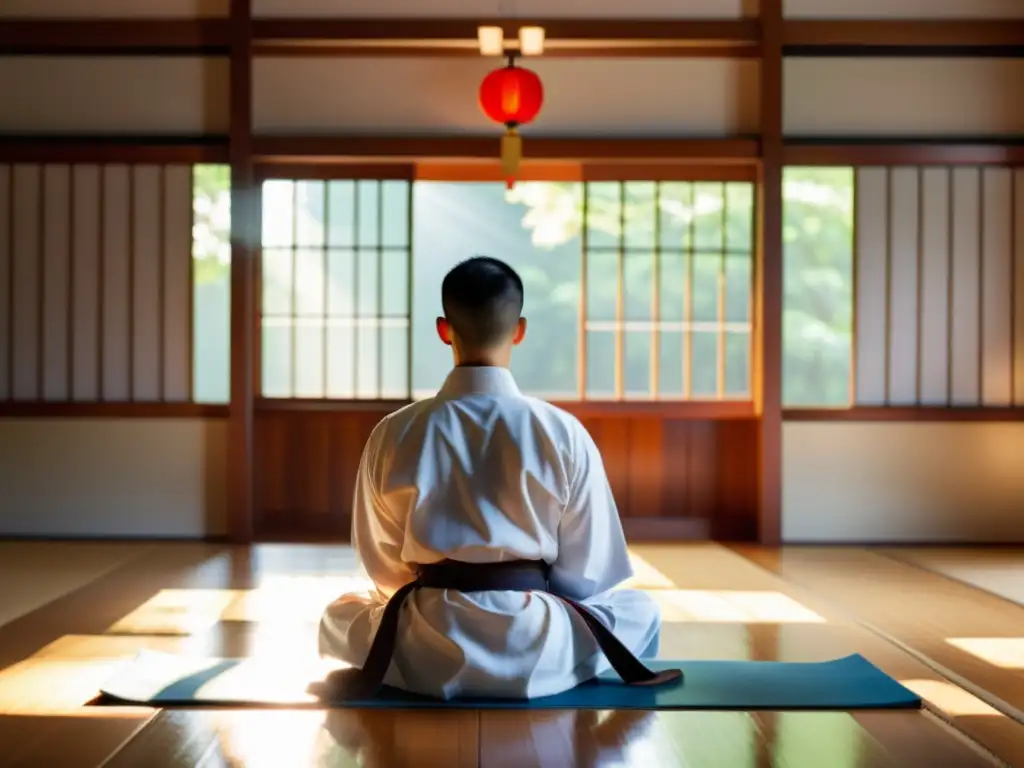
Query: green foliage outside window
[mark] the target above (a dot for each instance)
(818, 282)
(539, 228)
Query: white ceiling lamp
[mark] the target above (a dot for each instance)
(531, 41)
(491, 41)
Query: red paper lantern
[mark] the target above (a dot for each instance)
(511, 96)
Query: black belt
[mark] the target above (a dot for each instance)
(514, 576)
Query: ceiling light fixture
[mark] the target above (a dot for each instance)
(531, 41)
(491, 40)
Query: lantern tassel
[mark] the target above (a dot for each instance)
(511, 154)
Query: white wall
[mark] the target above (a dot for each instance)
(903, 96)
(114, 94)
(902, 9)
(903, 482)
(112, 478)
(438, 96)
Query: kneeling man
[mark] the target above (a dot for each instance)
(486, 522)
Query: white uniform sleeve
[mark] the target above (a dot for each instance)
(376, 535)
(592, 554)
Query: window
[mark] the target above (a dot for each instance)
(211, 283)
(633, 289)
(114, 283)
(938, 286)
(668, 290)
(335, 289)
(818, 284)
(536, 231)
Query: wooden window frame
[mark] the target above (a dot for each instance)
(299, 172)
(460, 170)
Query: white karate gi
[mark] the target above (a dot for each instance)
(482, 473)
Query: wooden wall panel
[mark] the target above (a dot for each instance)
(938, 291)
(96, 283)
(661, 471)
(305, 465)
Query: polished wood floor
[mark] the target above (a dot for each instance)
(72, 612)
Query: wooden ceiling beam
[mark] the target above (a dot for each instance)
(707, 32)
(595, 49)
(115, 36)
(446, 37)
(946, 37)
(300, 149)
(113, 149)
(909, 151)
(614, 157)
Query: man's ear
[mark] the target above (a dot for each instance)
(444, 330)
(520, 331)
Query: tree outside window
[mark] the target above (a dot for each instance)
(339, 319)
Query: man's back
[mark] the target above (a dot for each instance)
(483, 474)
(480, 473)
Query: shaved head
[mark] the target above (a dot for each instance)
(483, 301)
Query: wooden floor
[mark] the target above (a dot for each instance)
(73, 612)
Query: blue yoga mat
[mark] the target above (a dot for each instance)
(848, 683)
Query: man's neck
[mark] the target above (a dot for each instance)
(480, 364)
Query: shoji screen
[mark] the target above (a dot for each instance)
(939, 306)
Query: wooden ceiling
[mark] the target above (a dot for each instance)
(586, 38)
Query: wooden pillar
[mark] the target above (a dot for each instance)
(244, 249)
(769, 279)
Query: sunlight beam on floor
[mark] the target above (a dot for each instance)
(645, 575)
(733, 607)
(279, 599)
(951, 699)
(1004, 652)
